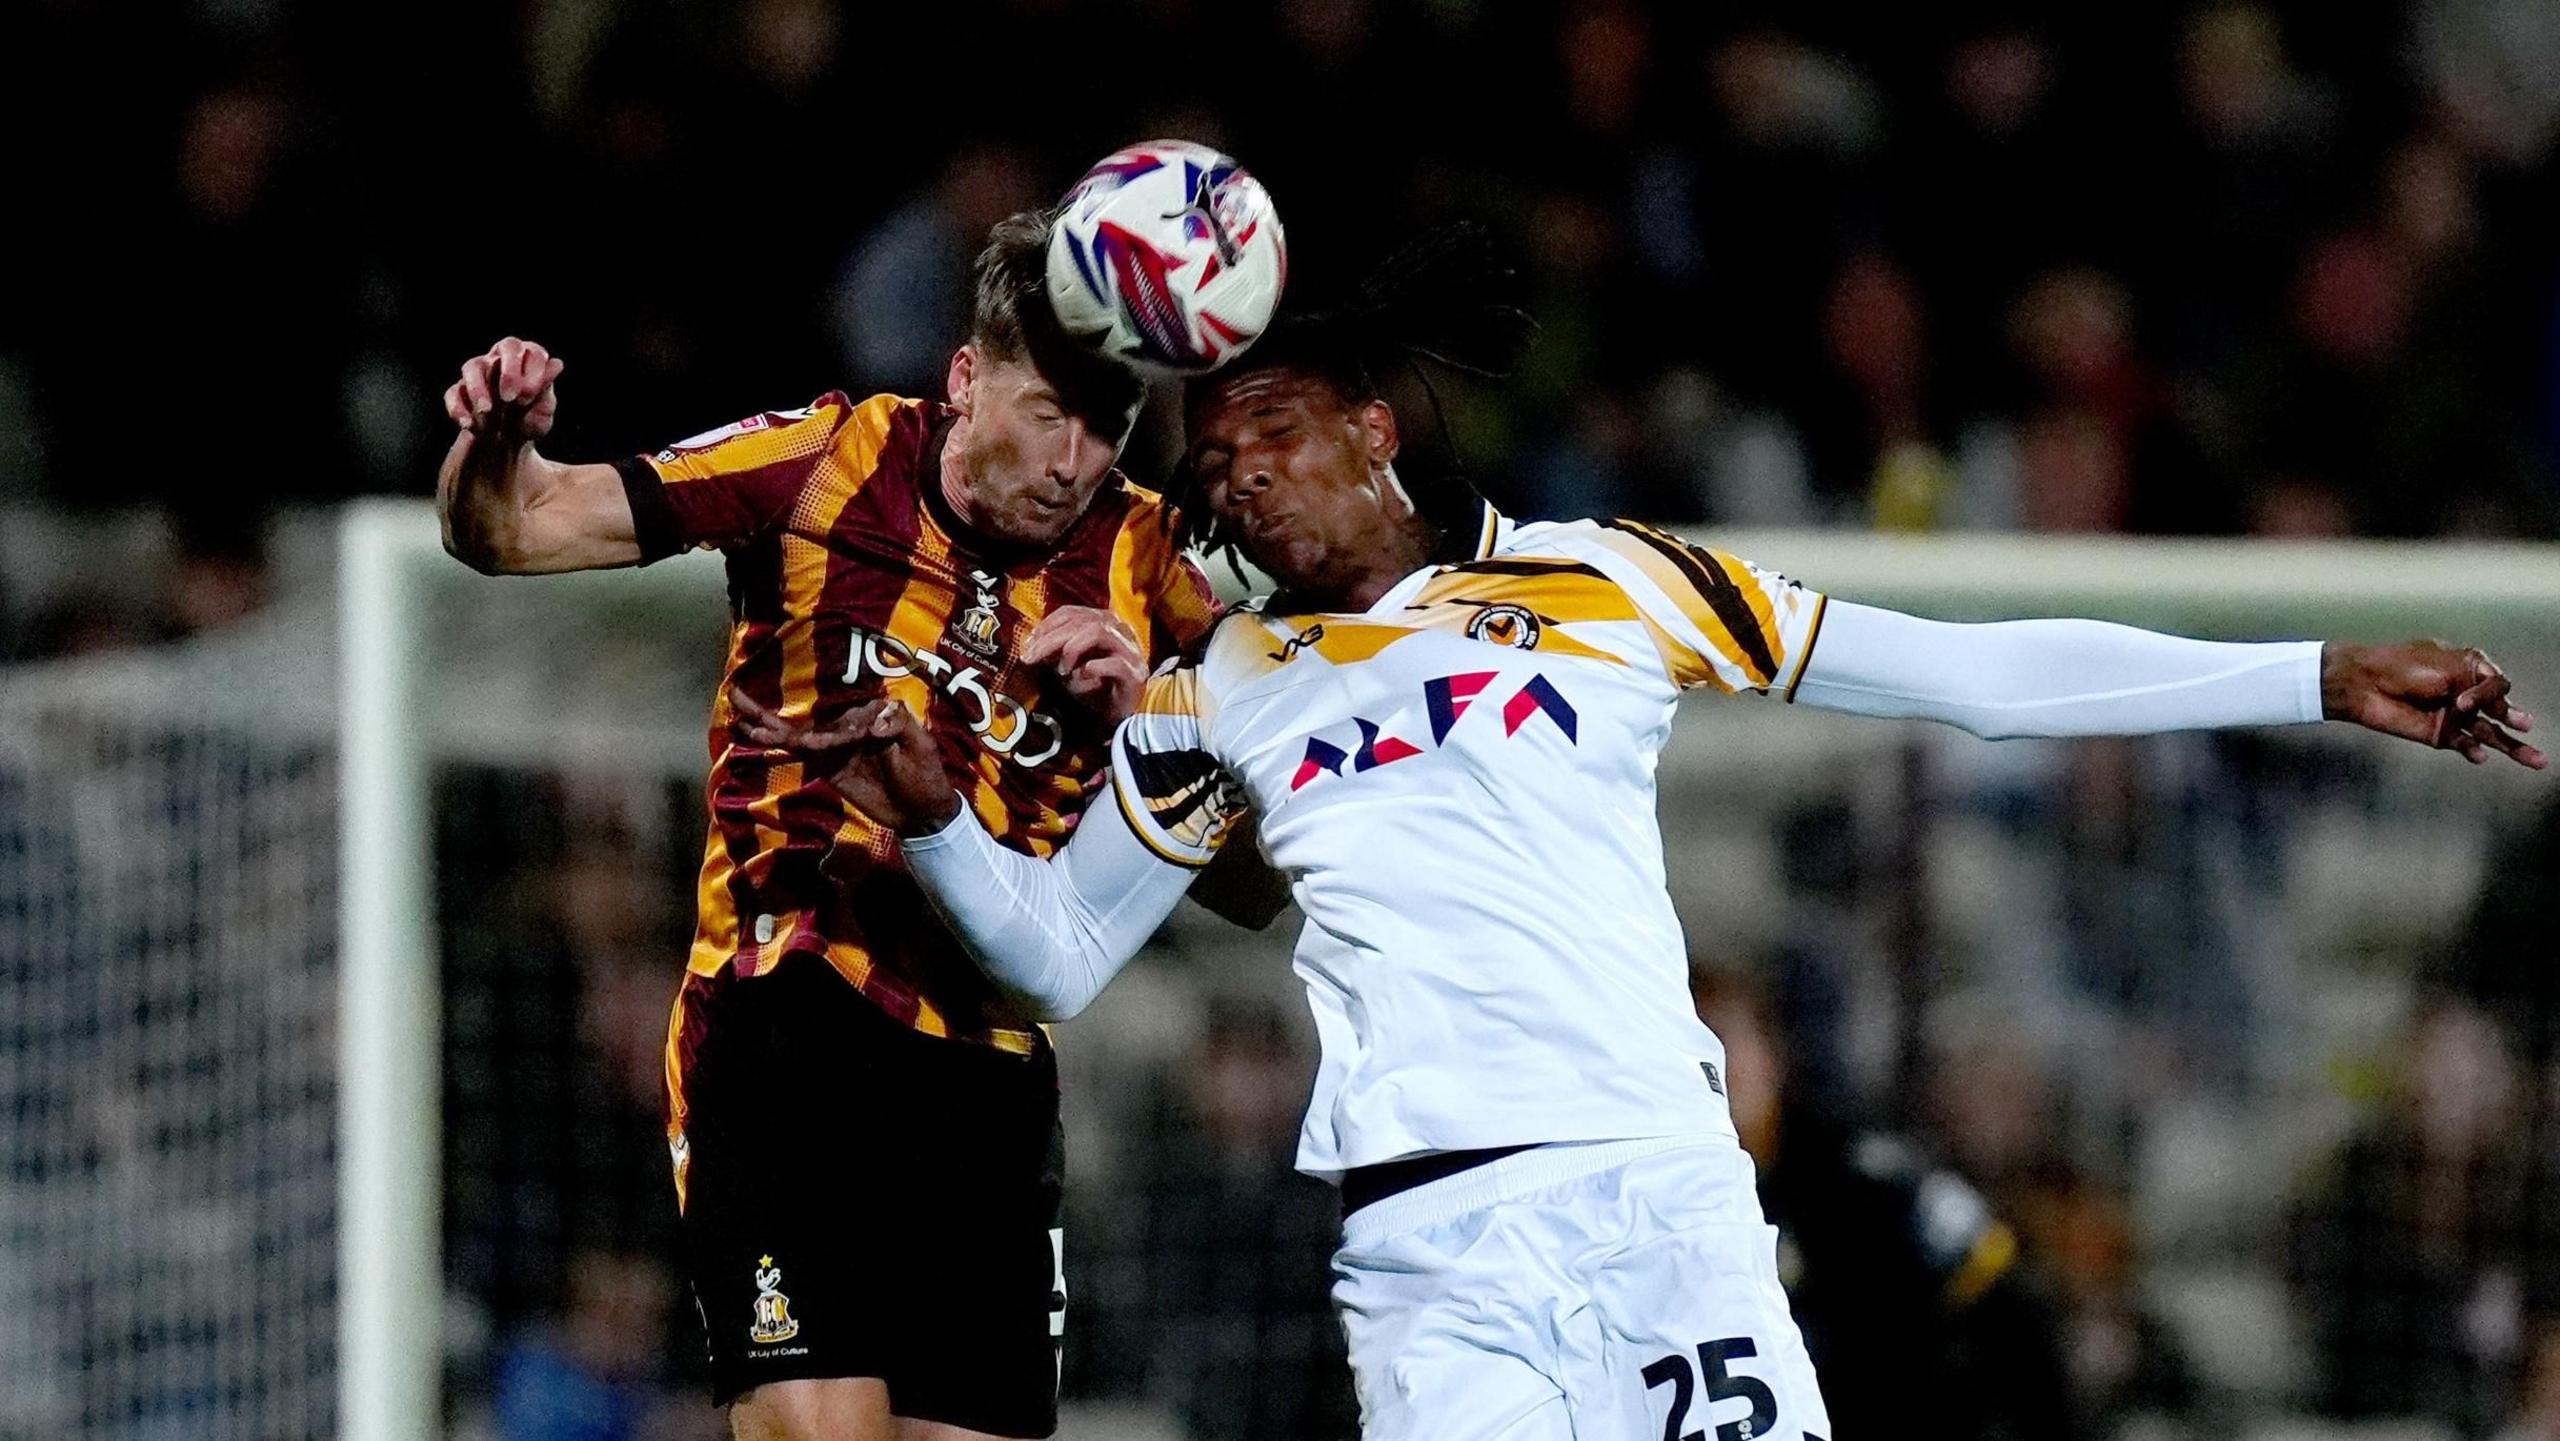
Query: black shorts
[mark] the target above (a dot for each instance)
(862, 1199)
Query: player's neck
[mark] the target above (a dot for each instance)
(1399, 554)
(1365, 591)
(954, 481)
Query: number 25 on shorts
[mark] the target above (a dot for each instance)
(1722, 1385)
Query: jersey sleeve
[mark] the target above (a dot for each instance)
(1717, 619)
(1051, 934)
(729, 485)
(1184, 609)
(2056, 677)
(1157, 588)
(1174, 793)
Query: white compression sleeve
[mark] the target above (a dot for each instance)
(1051, 934)
(2053, 677)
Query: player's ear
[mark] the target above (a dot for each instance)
(962, 380)
(1378, 428)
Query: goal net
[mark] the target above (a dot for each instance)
(334, 958)
(168, 916)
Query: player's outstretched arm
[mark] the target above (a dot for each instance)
(506, 508)
(1051, 934)
(2082, 677)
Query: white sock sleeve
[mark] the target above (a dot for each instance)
(2054, 677)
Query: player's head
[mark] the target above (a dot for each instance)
(1293, 447)
(1040, 419)
(1294, 465)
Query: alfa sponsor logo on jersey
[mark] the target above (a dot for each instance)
(1512, 625)
(1002, 724)
(774, 1323)
(1445, 699)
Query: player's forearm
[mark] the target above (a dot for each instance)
(2054, 677)
(483, 491)
(1051, 934)
(509, 510)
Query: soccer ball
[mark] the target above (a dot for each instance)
(1166, 256)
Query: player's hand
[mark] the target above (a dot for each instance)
(512, 391)
(2453, 700)
(877, 754)
(1095, 653)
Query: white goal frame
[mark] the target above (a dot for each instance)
(392, 564)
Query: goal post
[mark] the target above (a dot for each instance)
(390, 1292)
(397, 594)
(398, 591)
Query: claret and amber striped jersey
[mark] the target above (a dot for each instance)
(849, 575)
(1460, 783)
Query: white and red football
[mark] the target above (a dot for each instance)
(1167, 256)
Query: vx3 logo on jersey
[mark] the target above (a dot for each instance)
(1301, 641)
(1446, 698)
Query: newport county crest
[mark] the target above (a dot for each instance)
(1513, 625)
(977, 628)
(774, 1321)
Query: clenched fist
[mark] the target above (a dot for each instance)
(512, 391)
(1095, 654)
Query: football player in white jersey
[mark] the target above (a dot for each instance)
(1447, 724)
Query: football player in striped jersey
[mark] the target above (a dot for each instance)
(864, 1130)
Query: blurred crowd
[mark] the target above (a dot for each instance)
(2282, 268)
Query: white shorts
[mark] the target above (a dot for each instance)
(1613, 1291)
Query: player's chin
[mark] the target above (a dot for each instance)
(1292, 560)
(1034, 524)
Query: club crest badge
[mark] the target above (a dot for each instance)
(1511, 625)
(774, 1322)
(977, 627)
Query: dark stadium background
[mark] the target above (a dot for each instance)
(2266, 269)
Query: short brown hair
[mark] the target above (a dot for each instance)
(1012, 321)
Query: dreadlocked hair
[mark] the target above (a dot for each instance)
(1446, 298)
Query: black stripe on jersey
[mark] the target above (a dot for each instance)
(1186, 794)
(1716, 588)
(1509, 566)
(1812, 637)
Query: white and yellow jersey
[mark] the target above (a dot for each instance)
(1459, 782)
